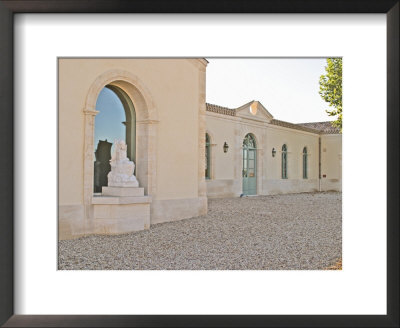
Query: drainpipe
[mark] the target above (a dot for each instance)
(319, 163)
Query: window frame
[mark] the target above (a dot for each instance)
(284, 162)
(305, 162)
(207, 171)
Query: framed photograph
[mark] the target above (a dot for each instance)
(144, 185)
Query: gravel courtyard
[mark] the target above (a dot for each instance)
(280, 232)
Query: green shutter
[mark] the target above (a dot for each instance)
(305, 163)
(208, 159)
(284, 162)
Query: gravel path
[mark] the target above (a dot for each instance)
(290, 232)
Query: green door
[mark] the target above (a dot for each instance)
(249, 165)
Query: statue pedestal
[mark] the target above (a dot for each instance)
(120, 214)
(122, 206)
(122, 191)
(121, 210)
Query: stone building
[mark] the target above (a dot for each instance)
(184, 149)
(268, 156)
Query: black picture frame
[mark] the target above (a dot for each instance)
(7, 11)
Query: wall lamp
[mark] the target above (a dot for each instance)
(273, 152)
(226, 147)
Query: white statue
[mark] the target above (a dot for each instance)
(121, 174)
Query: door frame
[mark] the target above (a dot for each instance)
(246, 148)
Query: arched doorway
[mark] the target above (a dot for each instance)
(249, 172)
(116, 120)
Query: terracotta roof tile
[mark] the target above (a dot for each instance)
(293, 126)
(220, 109)
(323, 127)
(313, 127)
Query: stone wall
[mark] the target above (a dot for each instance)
(226, 168)
(169, 100)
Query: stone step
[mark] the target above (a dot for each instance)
(109, 200)
(122, 191)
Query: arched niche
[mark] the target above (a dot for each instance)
(134, 91)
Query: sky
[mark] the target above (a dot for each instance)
(287, 88)
(108, 123)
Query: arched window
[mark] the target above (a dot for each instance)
(249, 141)
(249, 156)
(208, 158)
(305, 163)
(115, 120)
(284, 162)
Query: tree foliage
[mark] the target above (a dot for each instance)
(330, 89)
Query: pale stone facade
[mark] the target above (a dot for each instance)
(172, 119)
(169, 100)
(232, 125)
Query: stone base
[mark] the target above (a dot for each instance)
(167, 210)
(117, 219)
(117, 215)
(109, 215)
(122, 191)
